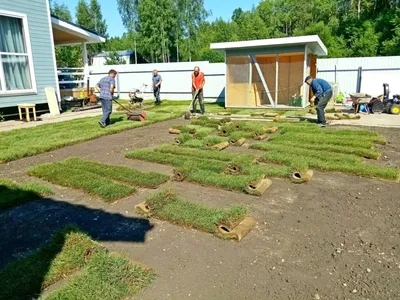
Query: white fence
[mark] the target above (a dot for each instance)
(374, 71)
(177, 76)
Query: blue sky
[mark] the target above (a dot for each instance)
(219, 8)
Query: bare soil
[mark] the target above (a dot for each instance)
(337, 237)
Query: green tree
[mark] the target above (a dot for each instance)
(66, 56)
(90, 17)
(128, 10)
(190, 15)
(113, 58)
(156, 23)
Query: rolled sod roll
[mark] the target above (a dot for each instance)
(220, 146)
(143, 208)
(301, 177)
(259, 187)
(239, 231)
(174, 131)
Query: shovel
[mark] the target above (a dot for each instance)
(187, 112)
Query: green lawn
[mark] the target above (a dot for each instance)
(20, 143)
(108, 182)
(103, 275)
(13, 194)
(294, 147)
(166, 205)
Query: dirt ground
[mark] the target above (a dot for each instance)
(337, 237)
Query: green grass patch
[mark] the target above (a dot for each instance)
(166, 205)
(177, 160)
(103, 275)
(20, 143)
(13, 194)
(333, 149)
(92, 183)
(324, 164)
(204, 154)
(329, 156)
(219, 180)
(108, 276)
(322, 139)
(68, 252)
(213, 140)
(118, 173)
(194, 144)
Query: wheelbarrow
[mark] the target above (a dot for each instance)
(360, 99)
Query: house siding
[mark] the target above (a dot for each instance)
(42, 50)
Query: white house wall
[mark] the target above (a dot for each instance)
(177, 76)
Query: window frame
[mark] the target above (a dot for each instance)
(28, 54)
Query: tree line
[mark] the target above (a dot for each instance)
(178, 30)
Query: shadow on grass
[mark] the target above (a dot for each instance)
(114, 120)
(27, 227)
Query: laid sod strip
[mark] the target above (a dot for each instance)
(205, 122)
(62, 174)
(223, 181)
(213, 140)
(194, 144)
(360, 169)
(166, 205)
(269, 170)
(20, 143)
(177, 160)
(204, 154)
(312, 128)
(321, 139)
(118, 173)
(107, 276)
(13, 194)
(362, 152)
(192, 129)
(183, 138)
(329, 156)
(336, 134)
(202, 133)
(68, 252)
(375, 139)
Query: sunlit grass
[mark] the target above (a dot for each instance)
(166, 205)
(14, 194)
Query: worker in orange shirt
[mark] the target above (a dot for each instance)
(198, 83)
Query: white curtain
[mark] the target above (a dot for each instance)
(16, 67)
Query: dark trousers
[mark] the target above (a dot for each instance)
(156, 91)
(321, 104)
(106, 105)
(199, 97)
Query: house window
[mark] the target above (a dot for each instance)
(16, 72)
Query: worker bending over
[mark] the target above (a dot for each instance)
(322, 94)
(106, 86)
(198, 83)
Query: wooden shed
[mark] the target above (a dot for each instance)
(271, 72)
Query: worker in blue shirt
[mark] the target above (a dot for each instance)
(106, 87)
(322, 94)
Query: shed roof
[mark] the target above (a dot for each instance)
(312, 41)
(68, 33)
